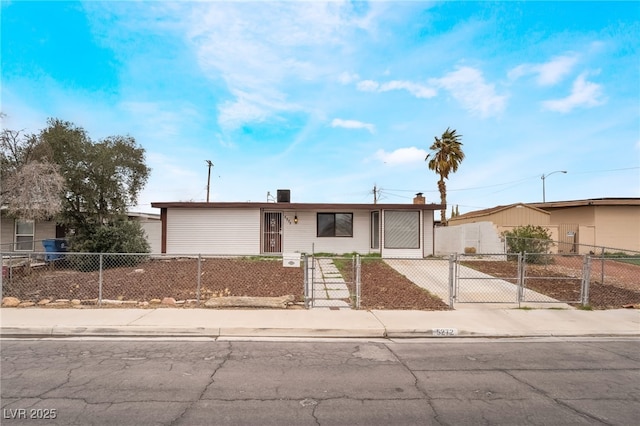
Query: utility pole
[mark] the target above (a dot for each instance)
(375, 194)
(210, 164)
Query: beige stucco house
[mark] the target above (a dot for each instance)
(579, 226)
(590, 225)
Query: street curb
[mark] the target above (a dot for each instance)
(186, 332)
(189, 332)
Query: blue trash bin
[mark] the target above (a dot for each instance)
(54, 248)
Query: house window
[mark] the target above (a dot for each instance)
(402, 229)
(335, 224)
(375, 230)
(25, 230)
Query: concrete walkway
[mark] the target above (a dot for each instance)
(329, 287)
(475, 290)
(315, 323)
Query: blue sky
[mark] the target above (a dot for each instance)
(330, 99)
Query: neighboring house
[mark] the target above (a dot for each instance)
(482, 229)
(579, 226)
(589, 225)
(17, 235)
(152, 226)
(246, 228)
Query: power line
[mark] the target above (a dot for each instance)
(511, 182)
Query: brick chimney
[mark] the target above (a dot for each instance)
(419, 199)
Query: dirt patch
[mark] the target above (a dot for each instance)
(383, 287)
(562, 280)
(157, 279)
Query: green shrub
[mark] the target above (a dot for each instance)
(533, 240)
(115, 237)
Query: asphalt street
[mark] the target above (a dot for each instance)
(314, 382)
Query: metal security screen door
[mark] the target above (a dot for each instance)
(272, 232)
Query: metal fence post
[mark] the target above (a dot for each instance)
(313, 279)
(452, 262)
(521, 276)
(358, 278)
(100, 263)
(199, 279)
(602, 267)
(586, 279)
(305, 280)
(2, 274)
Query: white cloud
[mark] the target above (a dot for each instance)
(417, 90)
(467, 86)
(262, 48)
(352, 124)
(368, 86)
(347, 78)
(548, 73)
(583, 94)
(401, 156)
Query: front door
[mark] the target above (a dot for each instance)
(272, 232)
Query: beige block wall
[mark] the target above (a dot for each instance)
(618, 227)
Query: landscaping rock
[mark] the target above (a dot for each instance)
(111, 302)
(155, 301)
(249, 302)
(169, 301)
(26, 305)
(10, 302)
(75, 302)
(44, 302)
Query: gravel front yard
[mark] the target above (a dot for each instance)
(562, 280)
(382, 286)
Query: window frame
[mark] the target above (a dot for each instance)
(334, 228)
(375, 230)
(418, 230)
(16, 235)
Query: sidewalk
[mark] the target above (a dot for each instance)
(168, 322)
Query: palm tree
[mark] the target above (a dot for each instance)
(447, 156)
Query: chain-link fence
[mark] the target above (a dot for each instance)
(332, 282)
(59, 279)
(600, 283)
(343, 282)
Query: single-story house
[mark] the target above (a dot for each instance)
(579, 226)
(152, 227)
(263, 228)
(481, 230)
(18, 235)
(589, 225)
(23, 236)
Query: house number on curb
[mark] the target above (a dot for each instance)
(445, 332)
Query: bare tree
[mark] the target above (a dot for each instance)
(29, 189)
(33, 191)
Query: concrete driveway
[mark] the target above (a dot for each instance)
(474, 289)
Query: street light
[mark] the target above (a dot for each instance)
(543, 177)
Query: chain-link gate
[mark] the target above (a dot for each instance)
(520, 278)
(332, 282)
(469, 285)
(555, 278)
